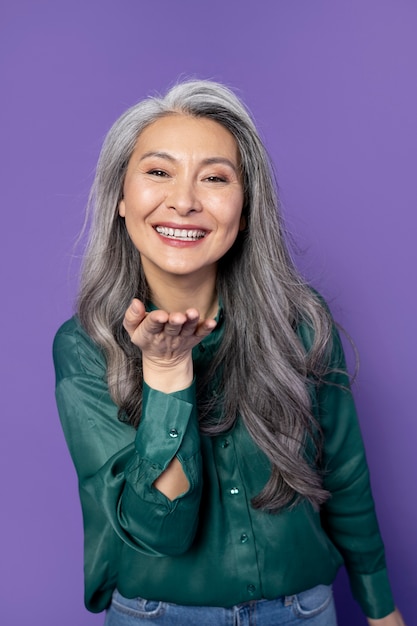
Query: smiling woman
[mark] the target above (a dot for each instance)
(183, 199)
(203, 392)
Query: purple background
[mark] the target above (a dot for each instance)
(333, 88)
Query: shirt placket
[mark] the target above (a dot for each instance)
(237, 512)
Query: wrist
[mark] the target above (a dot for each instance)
(168, 377)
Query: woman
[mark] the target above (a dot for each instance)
(203, 393)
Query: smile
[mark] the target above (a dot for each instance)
(180, 233)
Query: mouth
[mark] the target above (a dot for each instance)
(181, 234)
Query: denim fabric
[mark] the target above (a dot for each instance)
(314, 607)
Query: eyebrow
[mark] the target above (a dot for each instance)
(208, 161)
(161, 155)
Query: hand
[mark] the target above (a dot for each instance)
(393, 619)
(166, 341)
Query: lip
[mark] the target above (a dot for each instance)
(180, 226)
(177, 237)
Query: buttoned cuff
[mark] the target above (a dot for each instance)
(168, 428)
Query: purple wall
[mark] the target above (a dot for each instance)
(333, 88)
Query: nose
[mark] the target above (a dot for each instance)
(183, 197)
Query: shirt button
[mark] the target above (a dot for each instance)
(244, 538)
(251, 589)
(234, 491)
(173, 433)
(224, 443)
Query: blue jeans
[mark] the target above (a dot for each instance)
(314, 607)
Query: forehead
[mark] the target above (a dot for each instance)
(182, 133)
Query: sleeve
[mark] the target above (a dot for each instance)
(116, 465)
(349, 516)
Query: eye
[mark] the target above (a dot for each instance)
(157, 173)
(216, 179)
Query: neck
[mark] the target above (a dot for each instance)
(179, 293)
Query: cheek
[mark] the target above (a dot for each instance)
(148, 197)
(235, 217)
(232, 226)
(140, 199)
(229, 209)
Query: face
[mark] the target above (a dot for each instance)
(183, 197)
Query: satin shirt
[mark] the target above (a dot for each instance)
(210, 546)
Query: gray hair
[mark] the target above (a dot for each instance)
(265, 300)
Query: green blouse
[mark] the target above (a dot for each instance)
(209, 546)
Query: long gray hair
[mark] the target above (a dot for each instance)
(269, 371)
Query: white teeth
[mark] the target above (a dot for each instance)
(180, 233)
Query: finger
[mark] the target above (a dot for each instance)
(134, 316)
(155, 322)
(191, 322)
(175, 324)
(205, 327)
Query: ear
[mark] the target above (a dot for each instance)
(242, 223)
(122, 208)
